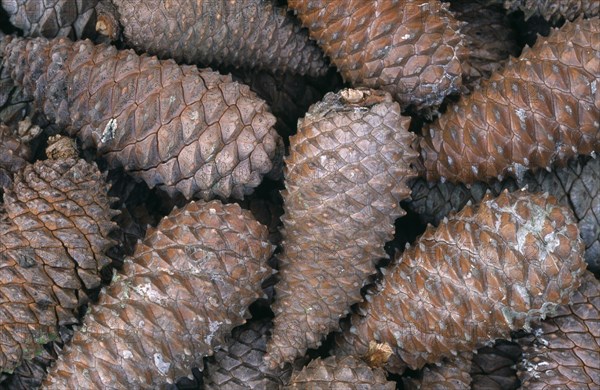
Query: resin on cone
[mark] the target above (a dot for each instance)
(542, 108)
(410, 48)
(189, 283)
(345, 175)
(248, 33)
(487, 270)
(177, 127)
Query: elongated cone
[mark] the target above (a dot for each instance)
(241, 365)
(55, 234)
(346, 173)
(184, 129)
(490, 269)
(554, 10)
(340, 373)
(494, 367)
(410, 48)
(452, 374)
(541, 109)
(564, 353)
(189, 283)
(577, 185)
(53, 18)
(249, 33)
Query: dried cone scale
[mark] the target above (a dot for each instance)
(554, 10)
(565, 351)
(542, 108)
(55, 230)
(451, 374)
(183, 129)
(187, 286)
(339, 373)
(248, 33)
(345, 175)
(410, 48)
(489, 269)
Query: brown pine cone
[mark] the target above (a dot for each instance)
(55, 236)
(554, 10)
(346, 172)
(564, 352)
(14, 102)
(541, 109)
(494, 367)
(53, 18)
(452, 374)
(249, 33)
(14, 152)
(183, 129)
(28, 375)
(577, 185)
(489, 269)
(241, 365)
(187, 286)
(410, 48)
(340, 373)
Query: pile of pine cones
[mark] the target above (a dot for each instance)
(311, 194)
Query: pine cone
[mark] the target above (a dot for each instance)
(554, 10)
(241, 365)
(541, 109)
(410, 48)
(183, 129)
(28, 375)
(346, 173)
(14, 102)
(53, 18)
(452, 374)
(577, 185)
(188, 285)
(493, 367)
(14, 153)
(490, 269)
(565, 350)
(249, 33)
(55, 234)
(340, 373)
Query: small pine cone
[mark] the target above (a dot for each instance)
(410, 48)
(451, 374)
(494, 367)
(53, 18)
(577, 185)
(183, 129)
(345, 175)
(540, 109)
(188, 284)
(490, 269)
(241, 365)
(54, 243)
(555, 10)
(565, 351)
(249, 33)
(488, 37)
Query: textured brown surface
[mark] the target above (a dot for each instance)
(249, 33)
(346, 173)
(410, 48)
(340, 373)
(554, 10)
(564, 353)
(74, 19)
(489, 269)
(494, 367)
(187, 286)
(576, 185)
(542, 108)
(55, 233)
(241, 365)
(14, 153)
(452, 374)
(183, 129)
(15, 104)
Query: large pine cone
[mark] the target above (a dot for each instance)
(184, 129)
(339, 373)
(541, 109)
(554, 10)
(577, 185)
(189, 283)
(564, 353)
(248, 33)
(53, 18)
(346, 172)
(410, 48)
(490, 269)
(55, 234)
